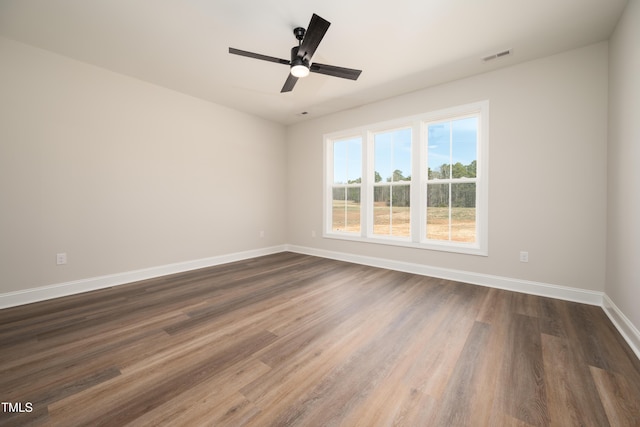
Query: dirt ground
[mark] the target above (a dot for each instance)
(396, 222)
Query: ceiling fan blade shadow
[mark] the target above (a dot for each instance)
(289, 83)
(332, 70)
(313, 36)
(258, 56)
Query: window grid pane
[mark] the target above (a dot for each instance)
(464, 147)
(347, 161)
(345, 212)
(392, 210)
(438, 213)
(463, 212)
(392, 156)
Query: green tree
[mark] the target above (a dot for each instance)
(458, 170)
(397, 176)
(471, 169)
(353, 194)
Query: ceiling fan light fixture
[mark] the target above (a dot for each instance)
(299, 69)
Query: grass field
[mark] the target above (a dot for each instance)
(396, 221)
(346, 216)
(463, 224)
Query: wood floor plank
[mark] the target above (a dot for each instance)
(468, 398)
(132, 403)
(294, 376)
(447, 334)
(522, 382)
(386, 405)
(210, 401)
(113, 347)
(413, 408)
(297, 340)
(550, 319)
(572, 396)
(615, 390)
(346, 386)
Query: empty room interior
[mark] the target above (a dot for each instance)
(413, 213)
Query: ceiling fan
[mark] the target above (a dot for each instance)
(301, 65)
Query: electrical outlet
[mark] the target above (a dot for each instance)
(261, 233)
(524, 256)
(313, 233)
(61, 258)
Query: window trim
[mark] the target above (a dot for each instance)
(419, 174)
(370, 184)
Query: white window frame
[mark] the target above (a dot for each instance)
(330, 185)
(418, 182)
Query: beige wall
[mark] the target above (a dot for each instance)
(547, 191)
(124, 175)
(623, 231)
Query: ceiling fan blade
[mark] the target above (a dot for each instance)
(332, 70)
(313, 36)
(289, 84)
(258, 56)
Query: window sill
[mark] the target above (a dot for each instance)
(461, 248)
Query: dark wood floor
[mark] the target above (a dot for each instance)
(289, 339)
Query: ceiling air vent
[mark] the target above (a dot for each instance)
(497, 55)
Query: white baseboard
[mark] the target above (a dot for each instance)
(28, 296)
(628, 331)
(84, 285)
(620, 321)
(510, 284)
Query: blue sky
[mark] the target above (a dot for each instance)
(347, 160)
(393, 152)
(462, 133)
(393, 149)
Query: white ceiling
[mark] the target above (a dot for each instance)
(401, 45)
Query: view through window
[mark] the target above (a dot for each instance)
(419, 181)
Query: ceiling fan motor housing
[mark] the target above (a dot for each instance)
(299, 33)
(297, 60)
